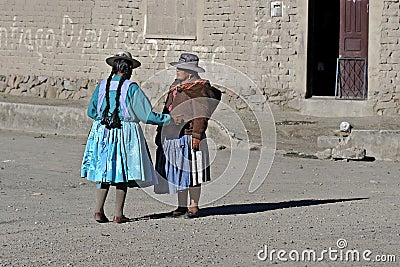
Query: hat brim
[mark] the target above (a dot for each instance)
(135, 63)
(186, 66)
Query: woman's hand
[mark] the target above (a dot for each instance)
(178, 119)
(195, 143)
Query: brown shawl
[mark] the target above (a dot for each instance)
(196, 101)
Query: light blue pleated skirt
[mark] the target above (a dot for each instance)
(118, 156)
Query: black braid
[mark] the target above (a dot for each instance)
(105, 120)
(125, 68)
(116, 121)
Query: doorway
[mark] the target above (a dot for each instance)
(323, 47)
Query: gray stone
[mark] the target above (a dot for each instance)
(248, 91)
(386, 97)
(255, 147)
(52, 81)
(31, 79)
(390, 111)
(23, 87)
(294, 104)
(258, 107)
(240, 104)
(328, 141)
(65, 94)
(42, 79)
(42, 90)
(75, 96)
(84, 83)
(78, 84)
(15, 92)
(272, 105)
(3, 86)
(221, 147)
(51, 92)
(276, 98)
(30, 85)
(91, 88)
(59, 84)
(256, 99)
(69, 85)
(353, 153)
(385, 105)
(82, 93)
(34, 91)
(26, 79)
(18, 81)
(11, 81)
(274, 93)
(325, 154)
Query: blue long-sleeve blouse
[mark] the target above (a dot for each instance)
(139, 106)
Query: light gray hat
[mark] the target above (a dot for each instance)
(123, 55)
(188, 62)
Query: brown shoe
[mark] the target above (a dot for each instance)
(121, 219)
(193, 212)
(100, 217)
(180, 211)
(192, 215)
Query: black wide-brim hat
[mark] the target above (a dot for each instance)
(188, 62)
(123, 55)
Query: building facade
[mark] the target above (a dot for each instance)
(291, 49)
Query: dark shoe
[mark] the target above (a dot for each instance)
(192, 215)
(121, 219)
(180, 211)
(100, 217)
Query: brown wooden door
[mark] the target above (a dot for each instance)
(353, 50)
(353, 40)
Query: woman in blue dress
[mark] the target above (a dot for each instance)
(116, 152)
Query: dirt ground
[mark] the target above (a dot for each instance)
(46, 213)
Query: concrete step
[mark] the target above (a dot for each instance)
(44, 118)
(331, 107)
(380, 144)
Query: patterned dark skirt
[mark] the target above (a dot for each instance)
(179, 167)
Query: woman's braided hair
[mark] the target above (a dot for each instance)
(113, 120)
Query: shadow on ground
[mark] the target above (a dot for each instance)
(236, 209)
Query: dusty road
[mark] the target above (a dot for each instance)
(46, 214)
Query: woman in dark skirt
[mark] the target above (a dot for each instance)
(182, 158)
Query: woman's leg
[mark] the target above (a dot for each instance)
(120, 196)
(101, 197)
(182, 204)
(183, 199)
(194, 193)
